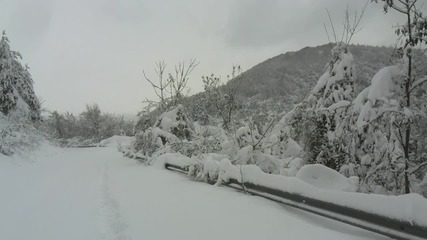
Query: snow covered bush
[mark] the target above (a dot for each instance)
(253, 156)
(207, 167)
(279, 141)
(172, 128)
(177, 123)
(16, 137)
(152, 139)
(247, 135)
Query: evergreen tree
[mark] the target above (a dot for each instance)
(24, 86)
(8, 98)
(16, 85)
(329, 119)
(335, 105)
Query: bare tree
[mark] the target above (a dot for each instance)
(161, 85)
(170, 89)
(178, 81)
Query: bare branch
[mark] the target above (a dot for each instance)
(353, 28)
(161, 86)
(265, 132)
(180, 79)
(418, 167)
(332, 25)
(418, 83)
(326, 31)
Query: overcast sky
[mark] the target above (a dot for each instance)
(94, 51)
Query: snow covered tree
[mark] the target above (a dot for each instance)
(8, 97)
(91, 121)
(334, 93)
(16, 85)
(56, 122)
(223, 98)
(323, 122)
(391, 95)
(24, 86)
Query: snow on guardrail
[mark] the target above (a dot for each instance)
(401, 217)
(411, 208)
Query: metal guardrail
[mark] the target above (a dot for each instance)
(176, 168)
(393, 228)
(83, 146)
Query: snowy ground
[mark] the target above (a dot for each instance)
(98, 194)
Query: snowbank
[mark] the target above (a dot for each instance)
(18, 137)
(410, 208)
(291, 166)
(117, 141)
(325, 178)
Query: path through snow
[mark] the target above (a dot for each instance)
(98, 194)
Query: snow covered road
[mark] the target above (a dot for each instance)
(98, 194)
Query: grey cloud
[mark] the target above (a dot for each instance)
(86, 51)
(30, 20)
(265, 23)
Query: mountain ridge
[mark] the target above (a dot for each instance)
(276, 84)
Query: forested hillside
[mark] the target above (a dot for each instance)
(275, 85)
(291, 75)
(321, 105)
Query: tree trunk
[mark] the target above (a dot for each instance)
(408, 102)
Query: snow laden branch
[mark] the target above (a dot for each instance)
(411, 34)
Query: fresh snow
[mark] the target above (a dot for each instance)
(95, 193)
(340, 104)
(382, 84)
(117, 141)
(323, 80)
(325, 178)
(410, 207)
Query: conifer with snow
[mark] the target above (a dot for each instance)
(8, 95)
(334, 93)
(17, 94)
(323, 123)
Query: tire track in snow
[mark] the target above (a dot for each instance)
(111, 224)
